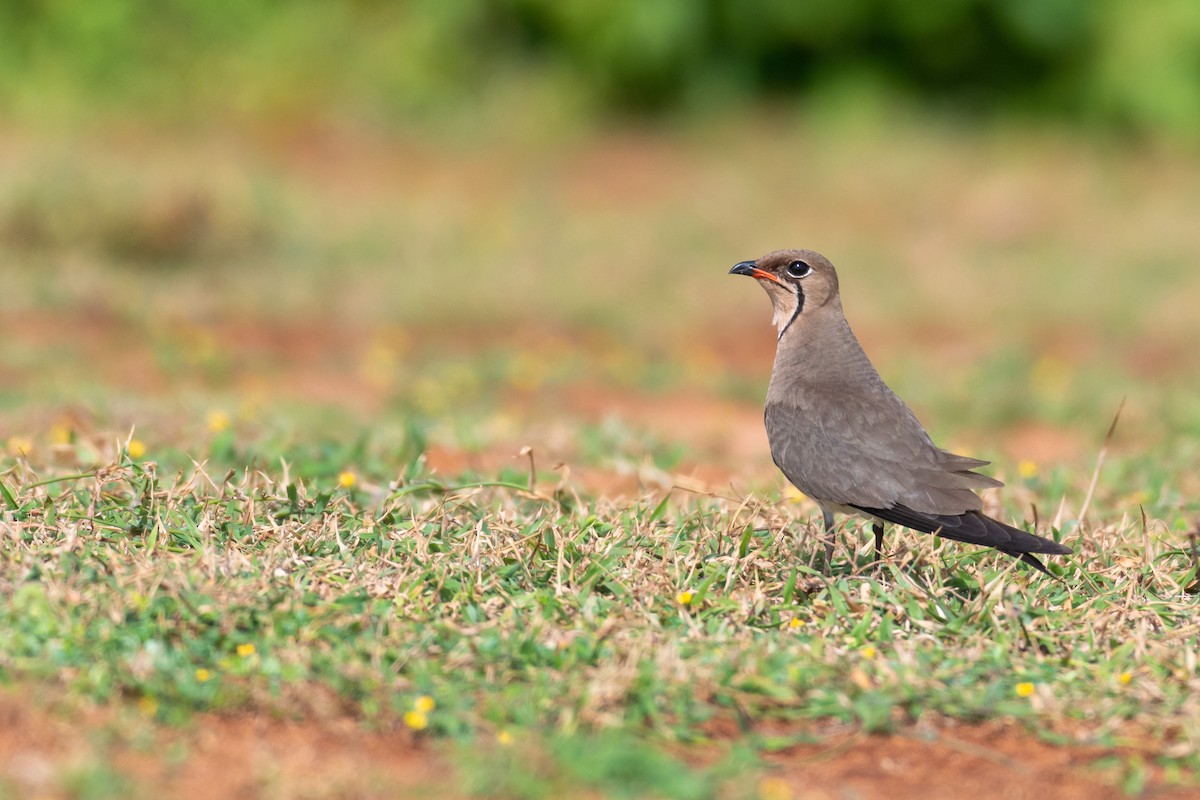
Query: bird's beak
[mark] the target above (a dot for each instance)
(751, 269)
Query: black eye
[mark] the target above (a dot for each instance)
(798, 269)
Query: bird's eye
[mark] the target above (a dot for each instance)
(798, 269)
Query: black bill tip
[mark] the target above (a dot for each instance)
(744, 268)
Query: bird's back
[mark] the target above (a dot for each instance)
(843, 437)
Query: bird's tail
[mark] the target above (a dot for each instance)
(1029, 559)
(975, 528)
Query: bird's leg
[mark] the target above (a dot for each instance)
(877, 529)
(829, 540)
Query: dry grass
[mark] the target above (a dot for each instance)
(320, 512)
(189, 587)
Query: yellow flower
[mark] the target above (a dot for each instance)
(19, 446)
(504, 737)
(794, 495)
(416, 720)
(218, 420)
(867, 652)
(1024, 689)
(245, 650)
(148, 705)
(424, 704)
(796, 623)
(684, 598)
(136, 448)
(1124, 678)
(774, 789)
(61, 433)
(203, 675)
(1027, 469)
(347, 479)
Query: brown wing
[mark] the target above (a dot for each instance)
(867, 449)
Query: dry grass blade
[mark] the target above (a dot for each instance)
(1091, 490)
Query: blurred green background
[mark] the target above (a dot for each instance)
(448, 205)
(1119, 64)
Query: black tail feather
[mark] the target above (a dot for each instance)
(974, 528)
(1031, 560)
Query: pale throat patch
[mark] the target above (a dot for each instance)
(783, 305)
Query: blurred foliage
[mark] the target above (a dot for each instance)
(138, 218)
(1121, 63)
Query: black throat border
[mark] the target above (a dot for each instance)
(796, 313)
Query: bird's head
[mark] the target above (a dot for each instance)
(797, 281)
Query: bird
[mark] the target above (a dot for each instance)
(841, 436)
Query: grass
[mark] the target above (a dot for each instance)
(271, 460)
(267, 575)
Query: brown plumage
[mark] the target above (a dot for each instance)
(842, 437)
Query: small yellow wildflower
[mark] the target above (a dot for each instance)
(147, 705)
(1124, 678)
(218, 420)
(203, 675)
(19, 446)
(416, 720)
(684, 598)
(867, 652)
(424, 704)
(347, 479)
(1027, 469)
(245, 650)
(136, 448)
(1024, 689)
(794, 495)
(61, 433)
(774, 789)
(796, 623)
(504, 738)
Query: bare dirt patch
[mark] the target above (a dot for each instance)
(994, 760)
(44, 750)
(45, 753)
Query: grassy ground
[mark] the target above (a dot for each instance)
(265, 406)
